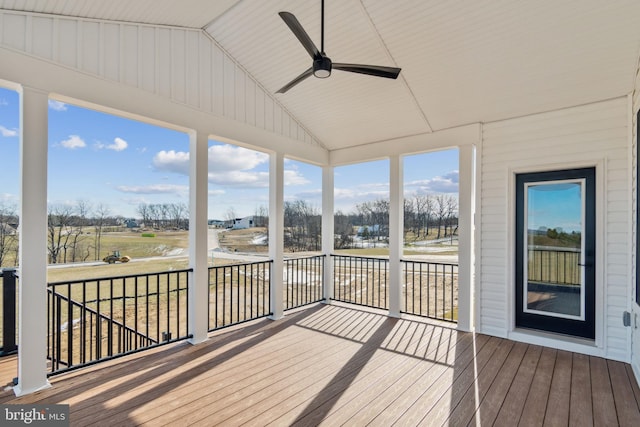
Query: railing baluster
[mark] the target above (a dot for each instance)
(122, 330)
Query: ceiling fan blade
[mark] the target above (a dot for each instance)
(295, 26)
(297, 80)
(372, 70)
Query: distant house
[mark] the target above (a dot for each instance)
(369, 230)
(8, 229)
(242, 223)
(131, 223)
(216, 223)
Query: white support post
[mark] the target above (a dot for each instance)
(466, 214)
(198, 236)
(32, 306)
(396, 226)
(327, 231)
(276, 235)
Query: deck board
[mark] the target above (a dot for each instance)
(333, 365)
(581, 406)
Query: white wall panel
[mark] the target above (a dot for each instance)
(129, 55)
(239, 81)
(147, 58)
(182, 64)
(67, 38)
(192, 68)
(163, 61)
(14, 31)
(88, 40)
(42, 40)
(250, 101)
(110, 49)
(218, 80)
(229, 87)
(575, 136)
(178, 66)
(205, 73)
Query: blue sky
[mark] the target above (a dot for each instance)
(121, 163)
(555, 206)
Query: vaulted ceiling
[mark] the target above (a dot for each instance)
(462, 61)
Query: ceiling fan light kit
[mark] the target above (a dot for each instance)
(322, 64)
(322, 67)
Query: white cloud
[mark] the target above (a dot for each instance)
(8, 133)
(8, 198)
(216, 192)
(228, 166)
(154, 189)
(57, 105)
(119, 144)
(73, 142)
(240, 179)
(448, 183)
(172, 161)
(293, 177)
(229, 158)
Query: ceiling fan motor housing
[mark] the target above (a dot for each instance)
(322, 67)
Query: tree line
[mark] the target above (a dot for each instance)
(425, 217)
(75, 231)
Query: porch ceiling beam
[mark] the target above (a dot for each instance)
(454, 137)
(115, 98)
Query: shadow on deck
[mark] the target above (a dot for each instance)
(334, 365)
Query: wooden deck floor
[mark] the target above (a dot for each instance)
(332, 365)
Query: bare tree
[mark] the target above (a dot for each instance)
(145, 214)
(179, 214)
(76, 232)
(59, 219)
(343, 231)
(99, 221)
(8, 234)
(451, 218)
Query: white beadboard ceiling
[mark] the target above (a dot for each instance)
(462, 61)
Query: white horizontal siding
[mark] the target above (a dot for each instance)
(635, 359)
(182, 64)
(581, 135)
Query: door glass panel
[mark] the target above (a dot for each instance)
(554, 228)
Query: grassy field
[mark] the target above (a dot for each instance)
(137, 246)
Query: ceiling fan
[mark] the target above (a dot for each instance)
(322, 65)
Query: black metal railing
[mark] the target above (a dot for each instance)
(361, 280)
(238, 293)
(8, 330)
(303, 281)
(554, 265)
(98, 319)
(430, 290)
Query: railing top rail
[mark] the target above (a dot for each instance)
(553, 248)
(415, 261)
(380, 258)
(269, 261)
(131, 276)
(294, 258)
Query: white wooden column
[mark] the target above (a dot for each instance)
(198, 236)
(466, 214)
(276, 236)
(327, 230)
(396, 225)
(32, 308)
